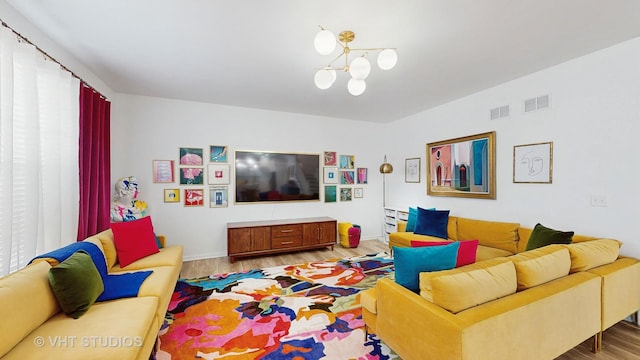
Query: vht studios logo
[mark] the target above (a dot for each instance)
(88, 341)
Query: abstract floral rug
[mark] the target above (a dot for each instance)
(305, 311)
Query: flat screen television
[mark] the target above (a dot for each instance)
(273, 176)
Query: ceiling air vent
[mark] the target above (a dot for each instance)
(536, 103)
(499, 112)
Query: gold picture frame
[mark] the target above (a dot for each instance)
(171, 195)
(463, 167)
(533, 163)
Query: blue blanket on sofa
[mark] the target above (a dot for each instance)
(116, 286)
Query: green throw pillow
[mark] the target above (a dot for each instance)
(543, 236)
(76, 283)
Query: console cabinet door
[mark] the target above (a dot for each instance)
(319, 233)
(260, 238)
(244, 240)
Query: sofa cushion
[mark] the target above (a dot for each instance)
(536, 267)
(109, 247)
(168, 256)
(432, 222)
(487, 253)
(27, 301)
(543, 236)
(76, 283)
(466, 252)
(410, 262)
(118, 329)
(590, 254)
(462, 288)
(500, 235)
(160, 284)
(134, 240)
(368, 300)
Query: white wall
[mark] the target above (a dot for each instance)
(594, 124)
(146, 129)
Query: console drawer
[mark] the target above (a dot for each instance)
(286, 231)
(283, 242)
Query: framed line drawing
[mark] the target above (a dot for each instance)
(171, 195)
(193, 197)
(330, 175)
(191, 176)
(218, 174)
(533, 163)
(190, 156)
(218, 154)
(358, 193)
(163, 171)
(463, 167)
(218, 196)
(412, 170)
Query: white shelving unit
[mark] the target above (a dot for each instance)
(391, 216)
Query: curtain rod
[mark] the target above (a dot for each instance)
(24, 38)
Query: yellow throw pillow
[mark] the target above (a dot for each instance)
(462, 288)
(590, 254)
(538, 266)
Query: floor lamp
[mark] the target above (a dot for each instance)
(385, 169)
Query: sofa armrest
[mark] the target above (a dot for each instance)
(402, 226)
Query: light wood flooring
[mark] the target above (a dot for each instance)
(620, 342)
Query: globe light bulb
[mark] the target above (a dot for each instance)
(387, 59)
(360, 68)
(324, 42)
(324, 78)
(356, 87)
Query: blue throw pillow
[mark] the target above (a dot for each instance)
(411, 219)
(410, 262)
(432, 223)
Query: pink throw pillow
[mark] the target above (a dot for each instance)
(134, 240)
(466, 251)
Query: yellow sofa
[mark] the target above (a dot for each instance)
(34, 327)
(510, 304)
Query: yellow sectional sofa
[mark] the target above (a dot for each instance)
(34, 327)
(510, 304)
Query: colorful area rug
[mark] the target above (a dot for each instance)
(306, 311)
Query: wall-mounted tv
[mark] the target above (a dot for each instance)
(273, 176)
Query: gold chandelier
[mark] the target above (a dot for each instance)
(359, 68)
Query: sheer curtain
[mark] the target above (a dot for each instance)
(39, 183)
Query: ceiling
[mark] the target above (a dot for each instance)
(260, 54)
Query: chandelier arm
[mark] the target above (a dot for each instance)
(336, 59)
(372, 49)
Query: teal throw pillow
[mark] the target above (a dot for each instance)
(432, 222)
(543, 236)
(411, 219)
(76, 283)
(410, 262)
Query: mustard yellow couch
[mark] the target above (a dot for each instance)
(511, 304)
(34, 327)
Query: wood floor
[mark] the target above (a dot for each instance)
(620, 342)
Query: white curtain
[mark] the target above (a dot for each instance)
(39, 129)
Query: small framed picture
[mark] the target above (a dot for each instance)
(163, 171)
(331, 175)
(218, 174)
(346, 177)
(330, 195)
(330, 158)
(362, 175)
(218, 154)
(347, 161)
(218, 196)
(191, 176)
(412, 170)
(346, 194)
(358, 193)
(533, 163)
(193, 197)
(190, 156)
(171, 195)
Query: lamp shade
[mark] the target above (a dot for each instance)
(324, 42)
(386, 168)
(387, 59)
(324, 78)
(356, 87)
(360, 68)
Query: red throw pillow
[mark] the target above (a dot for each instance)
(466, 251)
(134, 240)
